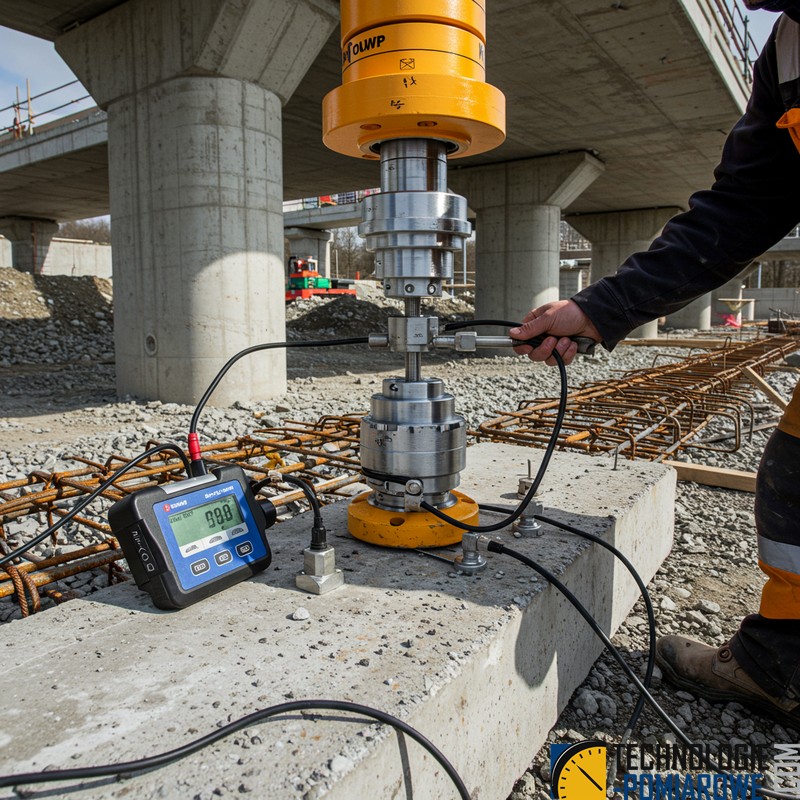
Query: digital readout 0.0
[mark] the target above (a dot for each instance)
(201, 521)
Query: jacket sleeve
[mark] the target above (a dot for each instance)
(753, 203)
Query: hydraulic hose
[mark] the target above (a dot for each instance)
(646, 599)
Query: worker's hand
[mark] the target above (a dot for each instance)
(562, 320)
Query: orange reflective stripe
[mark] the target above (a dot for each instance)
(791, 121)
(790, 421)
(780, 597)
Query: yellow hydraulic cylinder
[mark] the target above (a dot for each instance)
(413, 69)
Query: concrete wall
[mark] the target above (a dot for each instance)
(69, 257)
(785, 298)
(570, 281)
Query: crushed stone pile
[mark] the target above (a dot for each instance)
(54, 319)
(347, 316)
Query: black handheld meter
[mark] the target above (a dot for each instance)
(186, 541)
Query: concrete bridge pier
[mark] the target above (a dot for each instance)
(311, 242)
(518, 206)
(696, 315)
(196, 186)
(30, 241)
(615, 236)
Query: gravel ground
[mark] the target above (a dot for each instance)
(57, 399)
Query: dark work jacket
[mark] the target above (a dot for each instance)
(753, 203)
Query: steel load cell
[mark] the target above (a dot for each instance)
(413, 94)
(414, 225)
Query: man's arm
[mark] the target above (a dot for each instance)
(754, 202)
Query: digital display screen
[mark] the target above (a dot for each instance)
(205, 520)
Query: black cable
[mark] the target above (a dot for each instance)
(497, 323)
(94, 495)
(534, 487)
(648, 602)
(479, 323)
(319, 540)
(498, 547)
(255, 349)
(152, 762)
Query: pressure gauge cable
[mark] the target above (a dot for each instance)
(169, 447)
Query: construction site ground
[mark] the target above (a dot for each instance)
(57, 399)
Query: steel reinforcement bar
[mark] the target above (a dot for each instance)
(649, 414)
(324, 453)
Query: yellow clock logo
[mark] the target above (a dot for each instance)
(578, 772)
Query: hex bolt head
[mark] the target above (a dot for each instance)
(414, 488)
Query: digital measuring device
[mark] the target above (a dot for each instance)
(186, 541)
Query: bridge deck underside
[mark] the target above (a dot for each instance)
(634, 83)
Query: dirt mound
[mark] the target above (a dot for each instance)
(62, 298)
(347, 316)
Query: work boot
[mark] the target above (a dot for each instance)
(713, 673)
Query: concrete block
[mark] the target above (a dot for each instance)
(482, 665)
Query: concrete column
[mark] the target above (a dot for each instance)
(732, 290)
(615, 236)
(696, 315)
(195, 161)
(30, 241)
(570, 282)
(517, 238)
(311, 242)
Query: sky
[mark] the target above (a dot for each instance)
(26, 57)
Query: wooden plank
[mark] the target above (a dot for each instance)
(700, 344)
(715, 476)
(760, 383)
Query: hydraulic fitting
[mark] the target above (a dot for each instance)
(411, 334)
(470, 562)
(319, 575)
(526, 524)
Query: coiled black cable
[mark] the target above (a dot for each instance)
(162, 759)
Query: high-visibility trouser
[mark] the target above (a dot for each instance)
(767, 644)
(778, 519)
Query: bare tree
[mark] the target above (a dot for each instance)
(350, 250)
(95, 230)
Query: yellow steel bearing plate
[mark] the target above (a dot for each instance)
(469, 114)
(408, 529)
(358, 15)
(414, 47)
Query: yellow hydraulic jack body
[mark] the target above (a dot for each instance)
(413, 94)
(413, 69)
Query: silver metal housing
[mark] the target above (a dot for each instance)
(413, 444)
(413, 433)
(414, 226)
